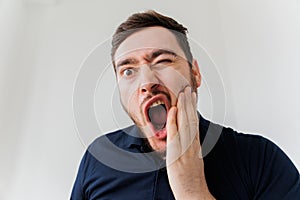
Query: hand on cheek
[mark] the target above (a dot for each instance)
(185, 166)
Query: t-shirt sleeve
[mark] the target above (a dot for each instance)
(78, 191)
(274, 175)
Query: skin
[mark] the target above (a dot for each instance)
(144, 74)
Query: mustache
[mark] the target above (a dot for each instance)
(153, 93)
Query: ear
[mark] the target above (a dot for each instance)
(196, 72)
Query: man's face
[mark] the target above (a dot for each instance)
(151, 71)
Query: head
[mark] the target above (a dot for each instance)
(151, 18)
(153, 64)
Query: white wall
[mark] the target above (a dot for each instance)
(262, 49)
(255, 46)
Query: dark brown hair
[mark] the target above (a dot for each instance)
(148, 19)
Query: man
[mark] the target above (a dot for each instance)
(162, 155)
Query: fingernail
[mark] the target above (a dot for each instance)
(188, 89)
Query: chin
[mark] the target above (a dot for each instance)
(158, 145)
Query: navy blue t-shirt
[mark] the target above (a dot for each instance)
(120, 165)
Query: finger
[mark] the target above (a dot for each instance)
(190, 105)
(173, 143)
(181, 115)
(191, 114)
(171, 124)
(188, 122)
(194, 99)
(182, 121)
(194, 96)
(196, 137)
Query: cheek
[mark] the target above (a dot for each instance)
(128, 93)
(174, 80)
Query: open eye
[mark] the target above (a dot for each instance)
(127, 72)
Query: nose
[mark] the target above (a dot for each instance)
(149, 81)
(148, 88)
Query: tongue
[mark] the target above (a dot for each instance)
(158, 116)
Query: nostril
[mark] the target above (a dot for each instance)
(148, 88)
(154, 86)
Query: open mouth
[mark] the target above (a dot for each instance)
(156, 113)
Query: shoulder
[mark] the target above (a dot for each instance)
(256, 162)
(218, 139)
(228, 139)
(116, 137)
(250, 148)
(108, 141)
(121, 139)
(245, 142)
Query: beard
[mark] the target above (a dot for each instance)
(139, 118)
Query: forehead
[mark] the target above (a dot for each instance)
(148, 38)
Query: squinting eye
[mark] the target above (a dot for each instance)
(164, 61)
(127, 72)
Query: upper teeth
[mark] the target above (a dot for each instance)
(158, 102)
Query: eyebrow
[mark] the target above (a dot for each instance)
(126, 61)
(150, 57)
(159, 52)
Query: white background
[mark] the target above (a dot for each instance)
(254, 44)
